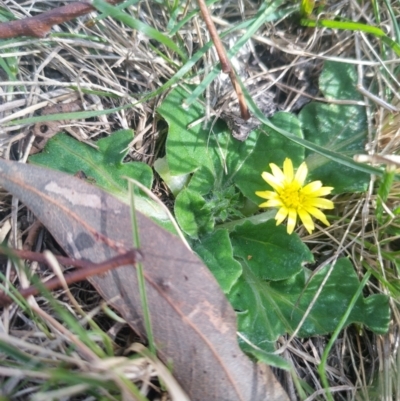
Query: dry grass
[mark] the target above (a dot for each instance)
(110, 65)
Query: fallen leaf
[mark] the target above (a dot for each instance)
(193, 324)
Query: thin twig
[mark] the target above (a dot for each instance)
(87, 269)
(219, 47)
(223, 58)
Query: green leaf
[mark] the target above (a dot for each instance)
(338, 128)
(338, 81)
(186, 149)
(103, 167)
(266, 357)
(269, 250)
(268, 309)
(216, 252)
(226, 156)
(271, 148)
(175, 183)
(192, 214)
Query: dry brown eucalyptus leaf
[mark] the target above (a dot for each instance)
(194, 326)
(40, 25)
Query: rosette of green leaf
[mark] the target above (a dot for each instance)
(332, 134)
(104, 168)
(218, 162)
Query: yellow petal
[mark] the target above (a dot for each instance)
(273, 203)
(312, 187)
(318, 215)
(306, 220)
(321, 203)
(277, 172)
(322, 192)
(281, 215)
(292, 217)
(301, 174)
(272, 180)
(288, 170)
(266, 194)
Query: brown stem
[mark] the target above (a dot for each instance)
(87, 269)
(223, 58)
(32, 235)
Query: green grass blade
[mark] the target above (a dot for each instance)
(14, 353)
(377, 14)
(188, 17)
(354, 26)
(152, 33)
(395, 21)
(140, 275)
(68, 319)
(7, 70)
(189, 65)
(306, 7)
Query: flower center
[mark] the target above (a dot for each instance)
(291, 196)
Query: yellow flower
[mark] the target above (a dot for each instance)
(293, 198)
